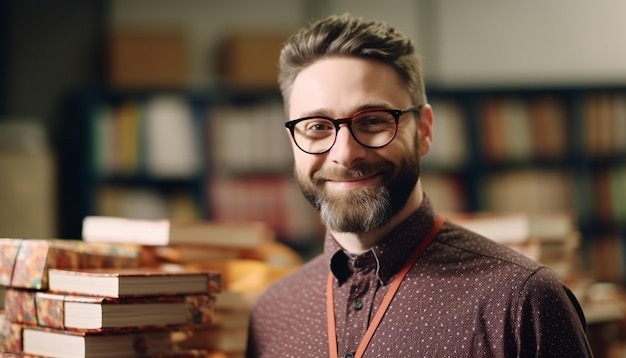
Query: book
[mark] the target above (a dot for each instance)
(516, 228)
(164, 232)
(61, 311)
(133, 282)
(25, 263)
(55, 343)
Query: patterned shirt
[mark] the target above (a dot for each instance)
(466, 296)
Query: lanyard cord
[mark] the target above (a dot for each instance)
(395, 284)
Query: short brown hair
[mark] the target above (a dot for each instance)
(347, 35)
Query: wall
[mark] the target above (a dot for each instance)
(464, 43)
(532, 42)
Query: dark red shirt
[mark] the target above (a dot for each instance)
(466, 296)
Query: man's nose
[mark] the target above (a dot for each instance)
(346, 149)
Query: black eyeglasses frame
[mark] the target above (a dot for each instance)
(396, 113)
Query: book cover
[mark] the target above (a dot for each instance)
(102, 313)
(25, 263)
(134, 282)
(165, 232)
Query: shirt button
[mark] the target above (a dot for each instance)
(349, 355)
(357, 304)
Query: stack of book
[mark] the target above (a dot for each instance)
(73, 301)
(549, 238)
(245, 253)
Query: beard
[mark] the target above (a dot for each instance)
(364, 209)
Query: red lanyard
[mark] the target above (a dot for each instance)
(395, 284)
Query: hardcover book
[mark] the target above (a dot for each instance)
(133, 282)
(101, 313)
(25, 263)
(49, 342)
(166, 232)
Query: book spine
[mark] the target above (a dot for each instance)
(30, 308)
(20, 306)
(8, 254)
(10, 337)
(31, 263)
(50, 311)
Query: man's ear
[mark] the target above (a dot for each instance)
(426, 128)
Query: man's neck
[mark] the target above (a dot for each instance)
(359, 243)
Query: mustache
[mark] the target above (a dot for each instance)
(357, 171)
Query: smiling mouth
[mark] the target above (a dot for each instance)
(353, 179)
(362, 174)
(354, 182)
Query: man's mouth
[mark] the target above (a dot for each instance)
(354, 182)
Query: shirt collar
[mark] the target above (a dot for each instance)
(392, 250)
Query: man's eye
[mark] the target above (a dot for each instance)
(319, 126)
(372, 121)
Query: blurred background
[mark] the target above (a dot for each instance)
(159, 108)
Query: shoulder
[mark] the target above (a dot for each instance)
(459, 244)
(462, 256)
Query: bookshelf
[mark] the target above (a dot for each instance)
(538, 150)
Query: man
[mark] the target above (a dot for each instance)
(394, 280)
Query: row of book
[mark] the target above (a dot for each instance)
(519, 128)
(539, 127)
(159, 136)
(165, 136)
(597, 197)
(131, 287)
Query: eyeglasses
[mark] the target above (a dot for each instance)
(372, 128)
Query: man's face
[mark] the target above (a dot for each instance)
(356, 189)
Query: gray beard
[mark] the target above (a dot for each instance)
(361, 211)
(365, 209)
